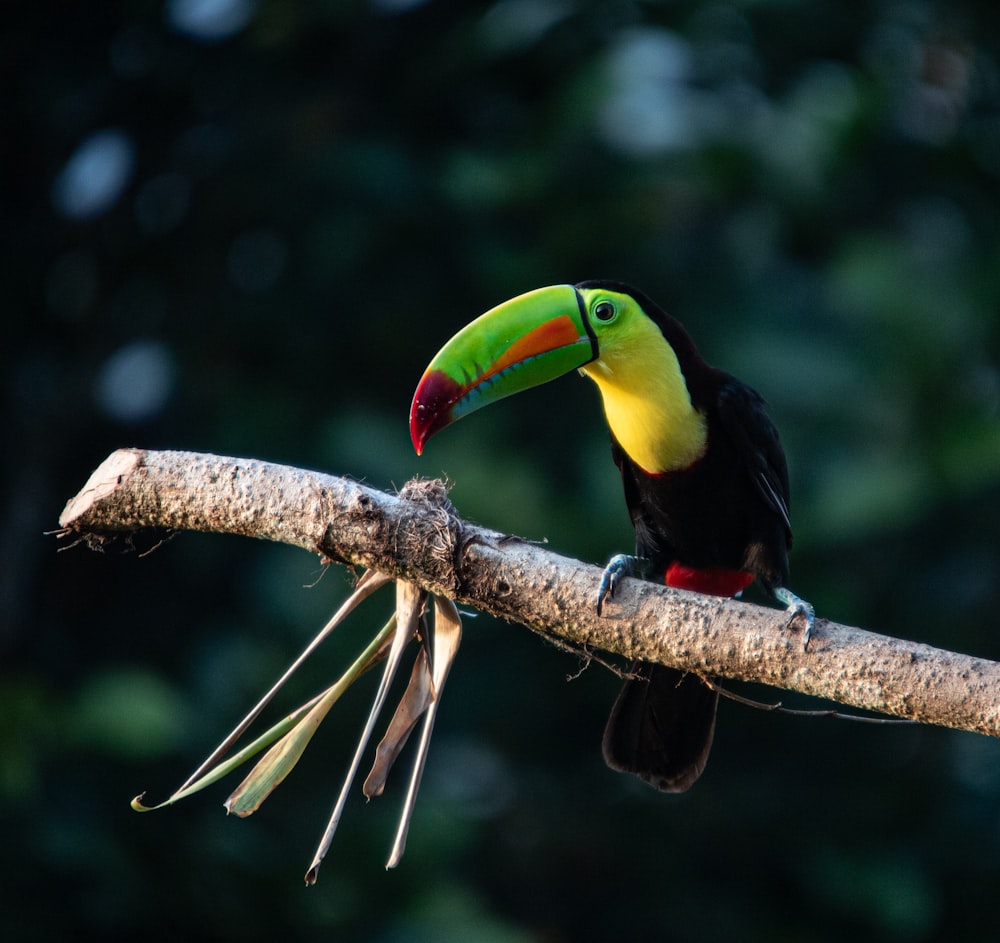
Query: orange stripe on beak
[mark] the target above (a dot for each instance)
(559, 332)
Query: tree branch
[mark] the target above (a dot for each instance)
(419, 537)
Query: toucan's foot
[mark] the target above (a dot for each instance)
(797, 609)
(619, 566)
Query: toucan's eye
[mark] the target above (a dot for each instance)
(605, 311)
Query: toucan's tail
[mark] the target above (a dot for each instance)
(661, 727)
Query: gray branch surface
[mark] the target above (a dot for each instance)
(418, 536)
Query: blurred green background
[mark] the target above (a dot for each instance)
(244, 226)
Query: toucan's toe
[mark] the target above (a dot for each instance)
(619, 566)
(798, 611)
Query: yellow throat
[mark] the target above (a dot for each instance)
(646, 402)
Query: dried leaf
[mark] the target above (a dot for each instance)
(368, 657)
(369, 582)
(409, 603)
(447, 637)
(280, 760)
(414, 702)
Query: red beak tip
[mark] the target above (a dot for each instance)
(418, 434)
(431, 408)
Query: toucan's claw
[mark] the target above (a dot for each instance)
(619, 566)
(798, 610)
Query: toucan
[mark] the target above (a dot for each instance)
(702, 467)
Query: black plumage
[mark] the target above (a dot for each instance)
(728, 511)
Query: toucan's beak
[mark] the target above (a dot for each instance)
(521, 343)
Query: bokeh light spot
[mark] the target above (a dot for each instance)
(135, 382)
(95, 175)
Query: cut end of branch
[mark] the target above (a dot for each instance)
(106, 477)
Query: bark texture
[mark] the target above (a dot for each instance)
(418, 536)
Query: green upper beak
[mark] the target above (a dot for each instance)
(521, 343)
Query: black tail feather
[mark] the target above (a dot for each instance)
(661, 727)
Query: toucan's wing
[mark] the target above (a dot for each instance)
(743, 417)
(649, 543)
